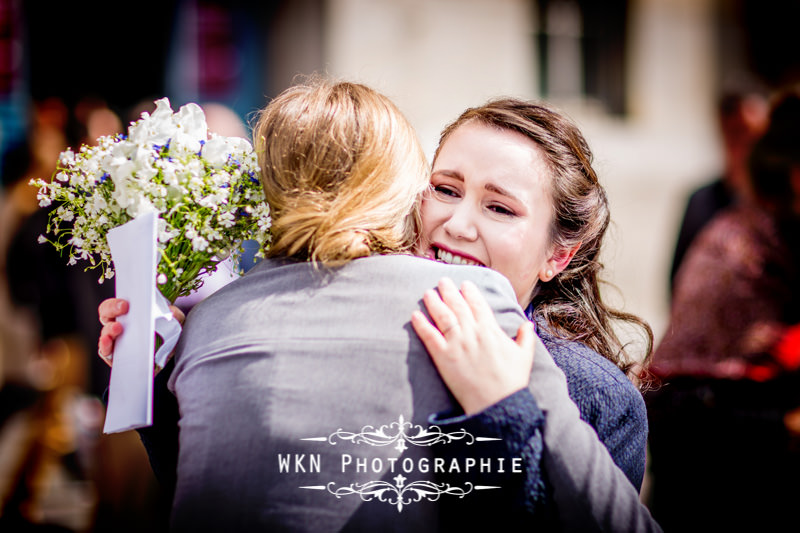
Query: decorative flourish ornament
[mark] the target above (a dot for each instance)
(400, 433)
(400, 494)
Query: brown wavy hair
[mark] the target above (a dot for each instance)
(570, 305)
(342, 171)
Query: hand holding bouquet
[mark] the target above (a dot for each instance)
(204, 188)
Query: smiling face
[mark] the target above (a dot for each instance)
(490, 205)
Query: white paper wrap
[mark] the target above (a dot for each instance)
(130, 394)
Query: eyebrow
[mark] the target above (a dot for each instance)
(489, 186)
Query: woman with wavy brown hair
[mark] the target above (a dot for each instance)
(513, 189)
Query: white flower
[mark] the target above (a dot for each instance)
(143, 164)
(66, 157)
(199, 243)
(157, 128)
(241, 147)
(42, 239)
(121, 171)
(218, 150)
(123, 194)
(65, 214)
(44, 200)
(194, 170)
(163, 234)
(97, 205)
(122, 150)
(191, 123)
(226, 219)
(139, 205)
(168, 171)
(209, 202)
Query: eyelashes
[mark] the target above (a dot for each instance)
(450, 194)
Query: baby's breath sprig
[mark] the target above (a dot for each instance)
(204, 188)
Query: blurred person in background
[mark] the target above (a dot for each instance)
(742, 116)
(56, 469)
(45, 363)
(723, 456)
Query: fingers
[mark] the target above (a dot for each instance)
(433, 340)
(105, 345)
(452, 307)
(112, 330)
(525, 336)
(107, 357)
(111, 308)
(477, 360)
(526, 339)
(442, 316)
(455, 302)
(477, 303)
(179, 315)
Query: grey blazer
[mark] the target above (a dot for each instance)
(304, 396)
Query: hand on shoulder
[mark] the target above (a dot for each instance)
(480, 364)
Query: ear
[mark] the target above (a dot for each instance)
(558, 262)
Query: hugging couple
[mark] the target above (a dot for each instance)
(372, 374)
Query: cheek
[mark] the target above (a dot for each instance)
(520, 254)
(433, 215)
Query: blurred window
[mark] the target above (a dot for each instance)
(581, 45)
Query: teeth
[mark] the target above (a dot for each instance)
(447, 257)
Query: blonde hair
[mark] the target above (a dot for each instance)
(342, 171)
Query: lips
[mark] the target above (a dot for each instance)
(454, 258)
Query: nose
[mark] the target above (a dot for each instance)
(461, 224)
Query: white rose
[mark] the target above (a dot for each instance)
(191, 122)
(241, 147)
(157, 128)
(123, 194)
(122, 150)
(216, 151)
(121, 171)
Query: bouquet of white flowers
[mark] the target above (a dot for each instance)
(204, 188)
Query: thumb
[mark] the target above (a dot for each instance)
(525, 337)
(179, 315)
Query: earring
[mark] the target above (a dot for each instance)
(549, 274)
